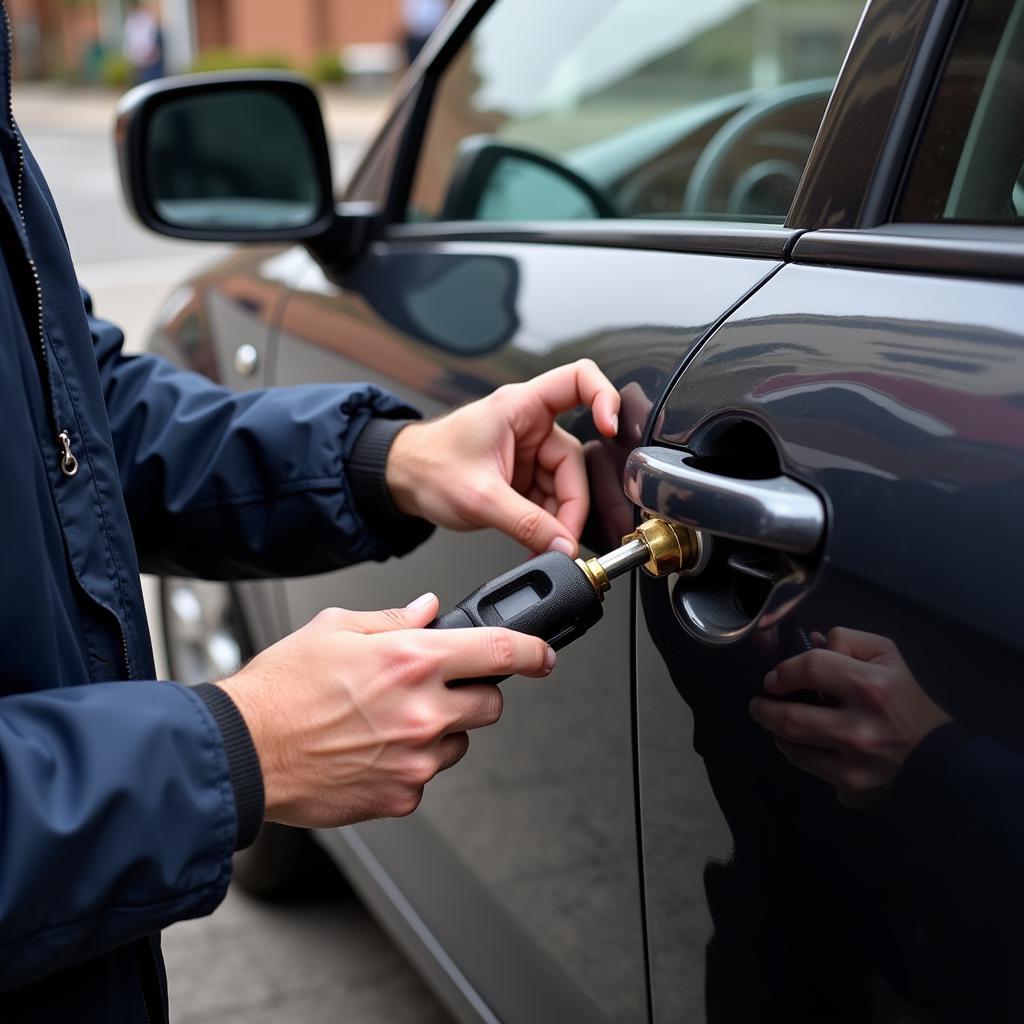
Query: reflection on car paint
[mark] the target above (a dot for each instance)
(901, 897)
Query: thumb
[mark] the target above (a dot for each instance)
(415, 615)
(529, 524)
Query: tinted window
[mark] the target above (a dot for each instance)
(970, 165)
(631, 108)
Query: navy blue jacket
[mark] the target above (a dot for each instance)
(121, 802)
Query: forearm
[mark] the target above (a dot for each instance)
(225, 484)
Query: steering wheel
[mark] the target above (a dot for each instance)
(708, 177)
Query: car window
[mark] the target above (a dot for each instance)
(970, 163)
(631, 108)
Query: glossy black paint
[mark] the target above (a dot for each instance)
(513, 868)
(897, 397)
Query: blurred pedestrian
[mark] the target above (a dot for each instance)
(144, 42)
(420, 18)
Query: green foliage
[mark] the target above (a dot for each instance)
(236, 60)
(116, 71)
(327, 67)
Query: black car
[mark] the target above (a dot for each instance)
(791, 233)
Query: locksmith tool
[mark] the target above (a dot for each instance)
(559, 598)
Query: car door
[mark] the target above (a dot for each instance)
(876, 383)
(564, 181)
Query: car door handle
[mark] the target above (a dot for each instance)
(775, 513)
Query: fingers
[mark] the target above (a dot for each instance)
(529, 523)
(826, 671)
(794, 722)
(473, 707)
(562, 463)
(415, 615)
(860, 645)
(487, 651)
(580, 383)
(452, 750)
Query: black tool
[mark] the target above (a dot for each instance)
(558, 598)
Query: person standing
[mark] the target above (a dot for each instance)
(123, 797)
(144, 43)
(420, 18)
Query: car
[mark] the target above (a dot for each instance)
(791, 234)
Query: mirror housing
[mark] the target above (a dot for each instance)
(486, 172)
(238, 157)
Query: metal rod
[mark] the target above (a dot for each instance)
(621, 560)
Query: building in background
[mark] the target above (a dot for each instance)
(72, 38)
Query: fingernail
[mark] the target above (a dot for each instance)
(562, 544)
(771, 679)
(615, 423)
(420, 602)
(550, 658)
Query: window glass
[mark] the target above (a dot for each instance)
(631, 108)
(970, 164)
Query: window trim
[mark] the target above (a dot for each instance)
(855, 170)
(964, 250)
(759, 241)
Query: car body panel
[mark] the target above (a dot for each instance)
(538, 841)
(897, 397)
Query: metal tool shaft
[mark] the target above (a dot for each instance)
(619, 561)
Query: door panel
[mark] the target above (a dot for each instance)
(897, 398)
(523, 862)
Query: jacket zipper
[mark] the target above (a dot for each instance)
(69, 464)
(68, 461)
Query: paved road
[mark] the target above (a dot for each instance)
(247, 962)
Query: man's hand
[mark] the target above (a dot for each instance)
(880, 715)
(504, 462)
(351, 715)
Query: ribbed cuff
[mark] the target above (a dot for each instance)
(243, 763)
(921, 784)
(366, 477)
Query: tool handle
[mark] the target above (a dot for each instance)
(562, 604)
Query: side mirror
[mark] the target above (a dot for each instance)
(499, 181)
(239, 157)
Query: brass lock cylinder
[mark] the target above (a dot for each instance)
(657, 546)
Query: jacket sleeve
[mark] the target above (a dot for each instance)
(116, 819)
(222, 484)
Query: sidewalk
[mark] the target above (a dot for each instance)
(52, 106)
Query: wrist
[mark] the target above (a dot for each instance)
(259, 721)
(402, 471)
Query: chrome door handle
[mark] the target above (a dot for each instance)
(775, 513)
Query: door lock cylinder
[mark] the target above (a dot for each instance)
(657, 546)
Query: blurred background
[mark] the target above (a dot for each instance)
(102, 41)
(253, 962)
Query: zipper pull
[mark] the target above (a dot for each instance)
(68, 462)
